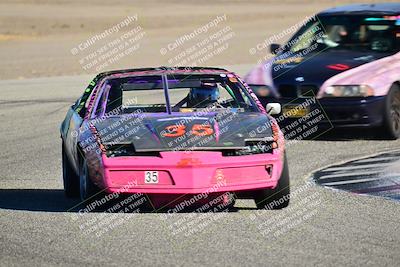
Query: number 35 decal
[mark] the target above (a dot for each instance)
(151, 177)
(179, 130)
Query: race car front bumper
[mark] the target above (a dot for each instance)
(358, 112)
(192, 172)
(348, 112)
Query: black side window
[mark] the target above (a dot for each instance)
(114, 99)
(100, 106)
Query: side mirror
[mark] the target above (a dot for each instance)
(273, 108)
(274, 48)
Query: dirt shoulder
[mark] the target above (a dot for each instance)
(36, 37)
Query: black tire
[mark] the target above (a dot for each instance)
(391, 114)
(277, 198)
(86, 187)
(70, 178)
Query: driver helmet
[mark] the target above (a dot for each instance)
(205, 94)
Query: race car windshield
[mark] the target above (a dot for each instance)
(345, 32)
(186, 93)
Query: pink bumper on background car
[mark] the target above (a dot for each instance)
(192, 172)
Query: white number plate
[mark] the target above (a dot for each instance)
(151, 177)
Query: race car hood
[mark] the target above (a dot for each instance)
(184, 131)
(314, 69)
(317, 68)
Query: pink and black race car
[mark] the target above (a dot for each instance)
(168, 132)
(348, 58)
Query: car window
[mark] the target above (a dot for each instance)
(345, 32)
(102, 101)
(186, 93)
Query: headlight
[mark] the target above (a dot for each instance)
(348, 91)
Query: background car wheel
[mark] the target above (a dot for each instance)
(86, 187)
(391, 125)
(70, 179)
(277, 198)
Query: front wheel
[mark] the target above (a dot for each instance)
(70, 179)
(391, 114)
(86, 187)
(277, 198)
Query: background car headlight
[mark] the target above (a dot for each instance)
(348, 91)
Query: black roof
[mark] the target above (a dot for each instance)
(364, 9)
(162, 68)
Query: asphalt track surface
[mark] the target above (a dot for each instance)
(321, 226)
